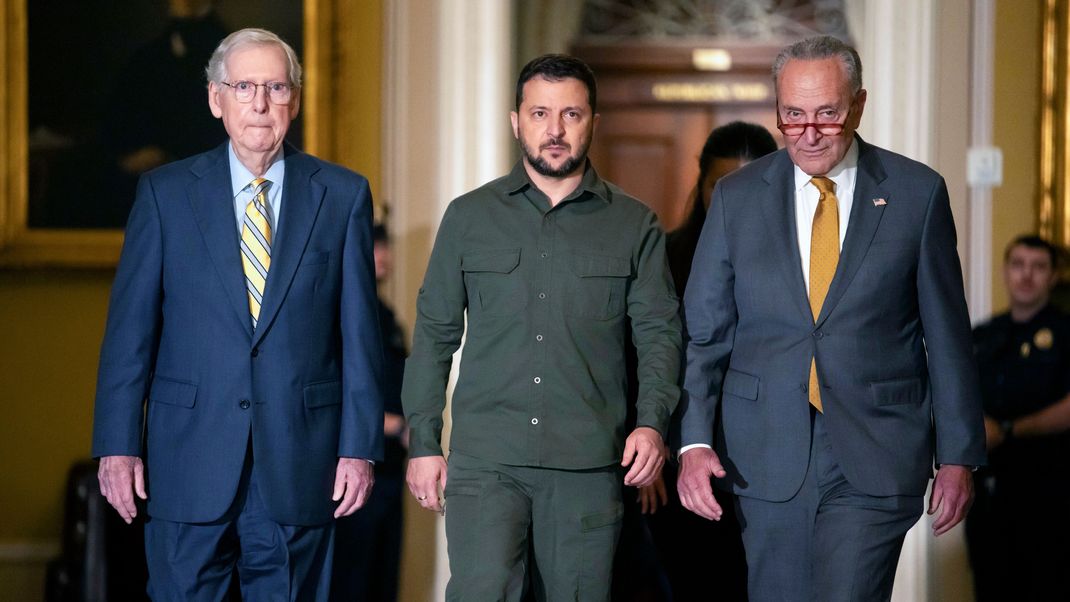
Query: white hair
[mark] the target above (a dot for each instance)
(216, 71)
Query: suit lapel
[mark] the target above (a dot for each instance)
(301, 199)
(213, 209)
(862, 225)
(778, 206)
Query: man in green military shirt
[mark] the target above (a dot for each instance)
(552, 264)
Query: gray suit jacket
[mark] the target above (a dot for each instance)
(899, 385)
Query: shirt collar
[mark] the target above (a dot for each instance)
(517, 181)
(241, 177)
(843, 173)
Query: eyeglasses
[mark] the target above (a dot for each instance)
(278, 92)
(825, 129)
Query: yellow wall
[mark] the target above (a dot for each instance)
(52, 324)
(357, 87)
(1016, 121)
(53, 321)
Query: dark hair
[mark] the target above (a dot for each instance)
(1034, 242)
(736, 140)
(556, 67)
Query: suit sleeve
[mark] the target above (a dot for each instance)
(440, 309)
(131, 336)
(653, 310)
(953, 379)
(710, 317)
(361, 434)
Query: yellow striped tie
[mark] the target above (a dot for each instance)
(256, 246)
(824, 255)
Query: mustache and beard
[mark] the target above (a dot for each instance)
(571, 164)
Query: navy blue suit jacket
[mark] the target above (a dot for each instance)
(892, 341)
(184, 379)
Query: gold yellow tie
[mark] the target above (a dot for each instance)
(824, 255)
(256, 246)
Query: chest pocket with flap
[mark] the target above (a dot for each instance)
(493, 281)
(599, 287)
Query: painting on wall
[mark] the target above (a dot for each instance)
(100, 92)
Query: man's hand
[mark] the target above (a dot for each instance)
(697, 465)
(353, 480)
(652, 496)
(426, 477)
(645, 452)
(120, 478)
(952, 495)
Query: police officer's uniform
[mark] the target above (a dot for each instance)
(1019, 526)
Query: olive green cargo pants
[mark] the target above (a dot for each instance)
(572, 517)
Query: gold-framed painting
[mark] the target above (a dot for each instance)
(98, 92)
(1053, 210)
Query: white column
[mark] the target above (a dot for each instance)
(981, 118)
(447, 96)
(896, 47)
(475, 68)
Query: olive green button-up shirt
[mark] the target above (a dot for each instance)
(549, 292)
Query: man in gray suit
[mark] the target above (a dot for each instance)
(827, 325)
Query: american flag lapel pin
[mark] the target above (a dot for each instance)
(879, 202)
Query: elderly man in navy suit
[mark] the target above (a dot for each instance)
(239, 384)
(827, 327)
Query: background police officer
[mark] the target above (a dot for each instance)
(1018, 529)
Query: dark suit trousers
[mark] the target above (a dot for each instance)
(830, 542)
(274, 562)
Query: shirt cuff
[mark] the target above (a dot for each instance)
(424, 441)
(690, 447)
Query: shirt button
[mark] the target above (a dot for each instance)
(538, 380)
(534, 420)
(244, 404)
(255, 352)
(542, 295)
(538, 337)
(544, 254)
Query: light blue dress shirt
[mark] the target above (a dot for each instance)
(241, 178)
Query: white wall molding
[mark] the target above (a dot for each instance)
(981, 125)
